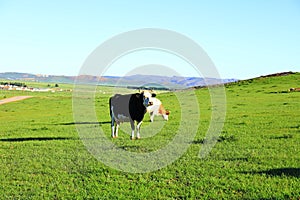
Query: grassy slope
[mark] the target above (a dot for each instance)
(257, 155)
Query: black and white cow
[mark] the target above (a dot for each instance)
(128, 108)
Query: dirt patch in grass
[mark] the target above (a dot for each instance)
(12, 99)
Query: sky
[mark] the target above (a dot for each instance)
(244, 39)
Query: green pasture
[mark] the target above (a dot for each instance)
(257, 155)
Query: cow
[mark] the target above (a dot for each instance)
(129, 108)
(157, 109)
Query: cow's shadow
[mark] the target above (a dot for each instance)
(292, 172)
(83, 123)
(36, 139)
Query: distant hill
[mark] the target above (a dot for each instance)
(174, 82)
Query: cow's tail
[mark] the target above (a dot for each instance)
(111, 112)
(112, 118)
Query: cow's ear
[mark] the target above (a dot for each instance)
(153, 95)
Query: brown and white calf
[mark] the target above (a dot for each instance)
(295, 90)
(157, 109)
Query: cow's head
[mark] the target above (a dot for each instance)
(166, 115)
(147, 98)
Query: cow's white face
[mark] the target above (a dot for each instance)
(166, 117)
(147, 98)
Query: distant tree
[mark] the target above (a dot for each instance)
(56, 85)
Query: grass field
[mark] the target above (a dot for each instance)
(257, 155)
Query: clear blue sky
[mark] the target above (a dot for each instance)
(244, 38)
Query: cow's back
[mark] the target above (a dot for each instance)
(119, 105)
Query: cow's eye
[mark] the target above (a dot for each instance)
(146, 101)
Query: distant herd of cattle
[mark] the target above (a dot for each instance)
(132, 108)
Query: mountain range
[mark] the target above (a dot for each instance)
(154, 81)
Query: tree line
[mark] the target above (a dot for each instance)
(18, 84)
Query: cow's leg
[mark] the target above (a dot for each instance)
(117, 129)
(151, 116)
(132, 129)
(138, 128)
(112, 126)
(112, 130)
